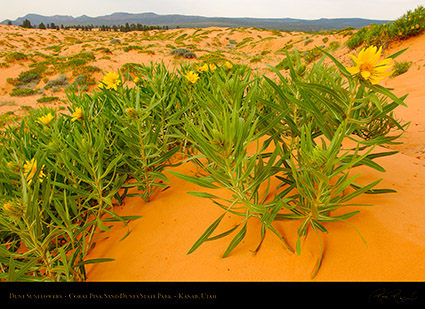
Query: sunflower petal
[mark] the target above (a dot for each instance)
(353, 70)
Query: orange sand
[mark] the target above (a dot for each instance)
(156, 247)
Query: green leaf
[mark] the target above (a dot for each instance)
(206, 234)
(323, 218)
(228, 232)
(94, 261)
(205, 182)
(396, 54)
(204, 195)
(298, 246)
(112, 164)
(236, 240)
(374, 191)
(360, 191)
(386, 92)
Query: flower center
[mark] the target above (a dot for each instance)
(366, 67)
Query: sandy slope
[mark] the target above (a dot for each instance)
(155, 249)
(262, 45)
(393, 229)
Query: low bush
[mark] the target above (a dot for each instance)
(61, 81)
(401, 67)
(15, 57)
(62, 174)
(183, 52)
(47, 99)
(22, 92)
(410, 24)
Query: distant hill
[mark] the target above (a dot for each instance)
(186, 21)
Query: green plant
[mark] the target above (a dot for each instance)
(410, 24)
(182, 52)
(298, 134)
(47, 99)
(401, 67)
(281, 147)
(15, 56)
(221, 129)
(61, 175)
(22, 92)
(61, 81)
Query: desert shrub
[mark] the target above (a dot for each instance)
(30, 78)
(104, 50)
(15, 56)
(76, 61)
(81, 83)
(22, 92)
(410, 24)
(183, 52)
(47, 99)
(244, 41)
(87, 70)
(213, 57)
(80, 167)
(115, 41)
(256, 59)
(312, 54)
(334, 45)
(61, 81)
(133, 47)
(302, 122)
(180, 38)
(356, 39)
(308, 41)
(132, 67)
(285, 64)
(401, 67)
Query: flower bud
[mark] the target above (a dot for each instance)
(13, 209)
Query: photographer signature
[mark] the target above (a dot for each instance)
(382, 295)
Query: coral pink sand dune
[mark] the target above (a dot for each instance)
(156, 247)
(157, 244)
(393, 228)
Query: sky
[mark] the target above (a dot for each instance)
(305, 9)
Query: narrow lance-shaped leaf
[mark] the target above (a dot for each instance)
(235, 241)
(206, 234)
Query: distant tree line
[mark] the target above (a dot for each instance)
(133, 27)
(122, 28)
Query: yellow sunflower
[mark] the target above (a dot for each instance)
(8, 206)
(228, 65)
(192, 77)
(30, 168)
(369, 65)
(46, 119)
(110, 81)
(203, 68)
(78, 114)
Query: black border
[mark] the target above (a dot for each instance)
(213, 293)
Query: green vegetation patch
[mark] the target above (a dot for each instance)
(410, 24)
(47, 99)
(15, 57)
(401, 67)
(183, 52)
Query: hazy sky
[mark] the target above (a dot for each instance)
(306, 9)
